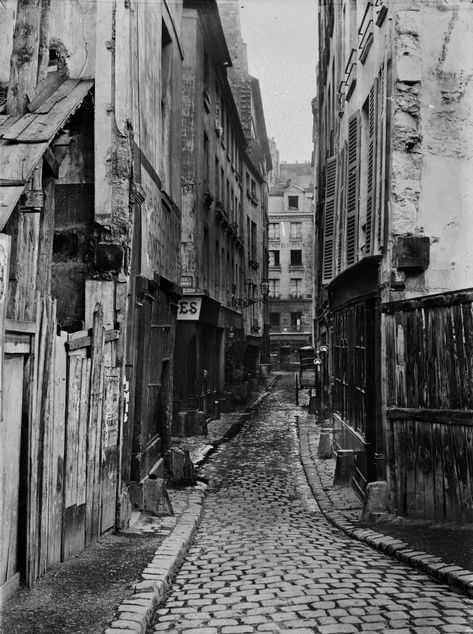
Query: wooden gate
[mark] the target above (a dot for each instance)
(429, 372)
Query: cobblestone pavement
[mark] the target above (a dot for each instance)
(265, 559)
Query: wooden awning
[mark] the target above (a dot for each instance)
(25, 139)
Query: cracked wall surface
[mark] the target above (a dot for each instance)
(432, 142)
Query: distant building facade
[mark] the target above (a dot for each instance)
(224, 197)
(291, 256)
(393, 261)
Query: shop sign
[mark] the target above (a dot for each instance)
(189, 308)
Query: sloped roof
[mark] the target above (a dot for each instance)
(23, 140)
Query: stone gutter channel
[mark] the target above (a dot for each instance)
(135, 613)
(345, 518)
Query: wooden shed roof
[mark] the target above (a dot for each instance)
(23, 140)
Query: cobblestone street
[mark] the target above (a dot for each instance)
(266, 560)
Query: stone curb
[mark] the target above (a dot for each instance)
(236, 427)
(134, 613)
(460, 578)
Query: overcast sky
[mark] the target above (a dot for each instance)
(281, 37)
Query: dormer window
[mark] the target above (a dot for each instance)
(293, 202)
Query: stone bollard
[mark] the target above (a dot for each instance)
(192, 424)
(201, 423)
(325, 445)
(216, 410)
(376, 500)
(344, 467)
(181, 424)
(180, 467)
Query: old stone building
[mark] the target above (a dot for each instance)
(220, 323)
(394, 270)
(90, 152)
(291, 256)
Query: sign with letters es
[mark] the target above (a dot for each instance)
(189, 308)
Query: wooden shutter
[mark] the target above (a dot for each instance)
(371, 186)
(353, 185)
(381, 151)
(341, 208)
(329, 218)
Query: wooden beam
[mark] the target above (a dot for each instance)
(445, 416)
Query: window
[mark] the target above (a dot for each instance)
(296, 321)
(274, 288)
(254, 239)
(274, 258)
(275, 319)
(296, 287)
(253, 189)
(296, 230)
(293, 202)
(296, 257)
(274, 231)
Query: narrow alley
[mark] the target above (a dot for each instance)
(266, 560)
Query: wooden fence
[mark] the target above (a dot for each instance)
(64, 463)
(429, 357)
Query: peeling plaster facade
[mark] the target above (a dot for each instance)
(394, 141)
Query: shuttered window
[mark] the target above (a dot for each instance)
(329, 219)
(371, 169)
(353, 186)
(341, 209)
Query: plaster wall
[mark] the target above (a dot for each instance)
(73, 25)
(446, 197)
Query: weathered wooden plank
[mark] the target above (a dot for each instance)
(439, 486)
(72, 430)
(63, 91)
(409, 442)
(462, 473)
(5, 247)
(45, 88)
(103, 292)
(85, 342)
(452, 501)
(45, 126)
(9, 196)
(73, 541)
(14, 325)
(95, 429)
(10, 441)
(6, 121)
(35, 384)
(109, 467)
(17, 344)
(57, 458)
(429, 301)
(445, 416)
(14, 130)
(46, 414)
(82, 433)
(22, 302)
